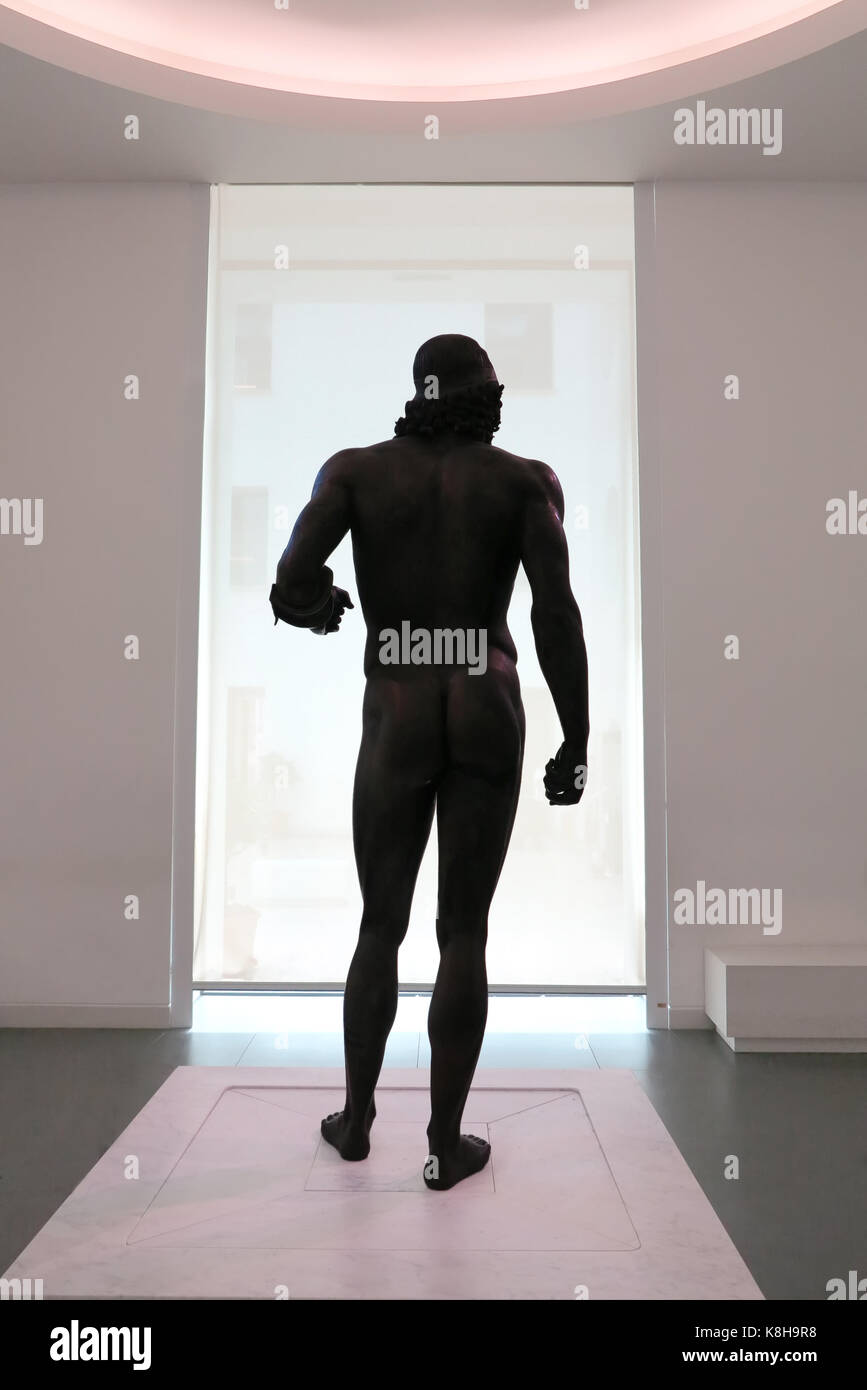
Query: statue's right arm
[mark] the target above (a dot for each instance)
(557, 627)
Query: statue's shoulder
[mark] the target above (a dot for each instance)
(356, 458)
(533, 477)
(342, 468)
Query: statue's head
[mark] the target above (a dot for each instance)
(456, 388)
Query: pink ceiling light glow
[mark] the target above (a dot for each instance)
(417, 50)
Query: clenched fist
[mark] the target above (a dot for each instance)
(340, 601)
(566, 776)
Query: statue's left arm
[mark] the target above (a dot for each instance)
(304, 594)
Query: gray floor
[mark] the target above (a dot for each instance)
(796, 1123)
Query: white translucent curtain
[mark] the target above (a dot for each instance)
(319, 297)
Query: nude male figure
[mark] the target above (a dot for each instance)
(440, 521)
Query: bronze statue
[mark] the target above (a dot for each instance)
(440, 520)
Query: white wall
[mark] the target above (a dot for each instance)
(97, 282)
(766, 756)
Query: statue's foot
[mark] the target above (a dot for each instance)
(351, 1140)
(443, 1170)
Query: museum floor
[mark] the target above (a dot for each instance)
(796, 1123)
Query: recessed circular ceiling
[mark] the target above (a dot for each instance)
(423, 50)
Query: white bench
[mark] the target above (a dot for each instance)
(788, 998)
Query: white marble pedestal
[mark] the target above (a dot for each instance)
(237, 1196)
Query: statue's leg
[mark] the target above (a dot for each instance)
(476, 804)
(392, 811)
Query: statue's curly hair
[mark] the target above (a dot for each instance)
(473, 410)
